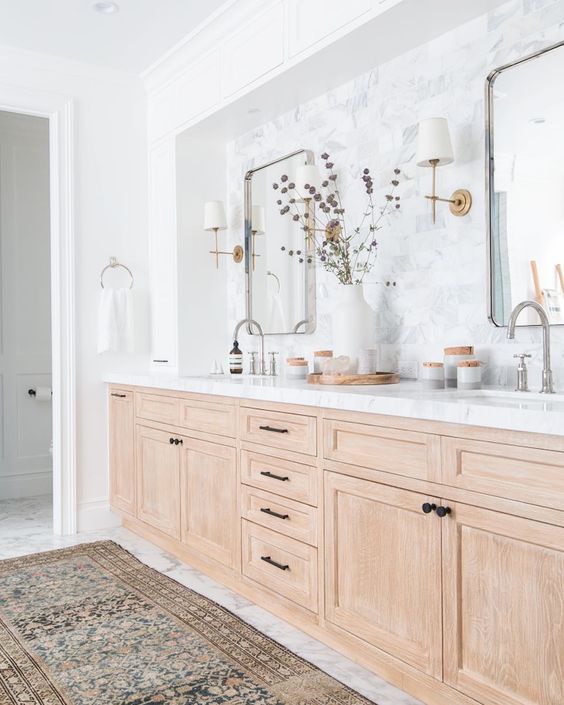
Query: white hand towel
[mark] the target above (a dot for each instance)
(115, 321)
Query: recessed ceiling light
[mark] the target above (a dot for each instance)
(106, 8)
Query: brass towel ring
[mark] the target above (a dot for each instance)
(112, 265)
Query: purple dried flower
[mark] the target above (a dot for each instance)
(291, 185)
(296, 217)
(366, 171)
(275, 186)
(283, 178)
(329, 165)
(325, 184)
(333, 177)
(324, 155)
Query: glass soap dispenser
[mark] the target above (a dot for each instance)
(236, 360)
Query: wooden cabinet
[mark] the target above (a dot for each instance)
(158, 480)
(122, 450)
(383, 569)
(503, 581)
(460, 607)
(209, 499)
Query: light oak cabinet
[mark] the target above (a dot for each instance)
(158, 480)
(209, 499)
(383, 569)
(503, 582)
(337, 522)
(122, 451)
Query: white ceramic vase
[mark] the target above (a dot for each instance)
(352, 323)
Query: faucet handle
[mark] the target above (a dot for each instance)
(522, 356)
(272, 367)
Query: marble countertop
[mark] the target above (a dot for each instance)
(492, 407)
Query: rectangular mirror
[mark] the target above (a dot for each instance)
(280, 288)
(525, 169)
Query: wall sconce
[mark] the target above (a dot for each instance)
(308, 175)
(214, 220)
(258, 227)
(434, 149)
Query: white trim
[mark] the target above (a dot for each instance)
(59, 111)
(30, 484)
(96, 515)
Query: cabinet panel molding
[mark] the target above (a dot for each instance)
(527, 474)
(383, 569)
(122, 450)
(503, 592)
(293, 570)
(311, 21)
(406, 453)
(209, 499)
(158, 480)
(218, 417)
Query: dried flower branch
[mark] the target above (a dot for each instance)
(347, 255)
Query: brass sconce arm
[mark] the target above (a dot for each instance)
(237, 252)
(460, 201)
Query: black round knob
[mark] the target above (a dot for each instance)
(176, 441)
(443, 511)
(428, 508)
(171, 441)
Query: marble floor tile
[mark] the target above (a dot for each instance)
(26, 527)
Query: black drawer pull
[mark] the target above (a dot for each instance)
(268, 559)
(272, 476)
(267, 510)
(273, 430)
(428, 508)
(120, 396)
(443, 511)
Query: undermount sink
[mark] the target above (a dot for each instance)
(509, 399)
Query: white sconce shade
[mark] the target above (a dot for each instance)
(433, 143)
(307, 174)
(258, 226)
(214, 216)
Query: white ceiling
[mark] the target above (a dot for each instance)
(131, 39)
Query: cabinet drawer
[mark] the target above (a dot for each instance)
(274, 428)
(407, 453)
(119, 394)
(283, 477)
(155, 407)
(219, 417)
(280, 564)
(526, 474)
(293, 519)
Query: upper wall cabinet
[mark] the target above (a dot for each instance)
(195, 91)
(313, 20)
(253, 51)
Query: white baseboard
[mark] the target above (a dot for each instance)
(30, 484)
(96, 515)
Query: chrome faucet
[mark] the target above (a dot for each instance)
(547, 383)
(262, 361)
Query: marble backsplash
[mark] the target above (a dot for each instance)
(439, 270)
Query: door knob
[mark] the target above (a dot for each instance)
(428, 508)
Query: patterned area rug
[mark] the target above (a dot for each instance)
(92, 624)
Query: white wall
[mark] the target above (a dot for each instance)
(25, 314)
(110, 219)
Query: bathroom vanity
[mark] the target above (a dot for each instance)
(393, 525)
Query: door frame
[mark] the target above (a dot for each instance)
(58, 109)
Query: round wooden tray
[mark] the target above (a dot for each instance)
(376, 378)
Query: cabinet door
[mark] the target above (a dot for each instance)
(158, 480)
(210, 514)
(122, 450)
(503, 607)
(383, 569)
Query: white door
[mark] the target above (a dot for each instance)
(25, 316)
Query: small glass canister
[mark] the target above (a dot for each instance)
(433, 375)
(452, 357)
(319, 359)
(469, 374)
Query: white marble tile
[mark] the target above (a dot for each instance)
(440, 297)
(26, 527)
